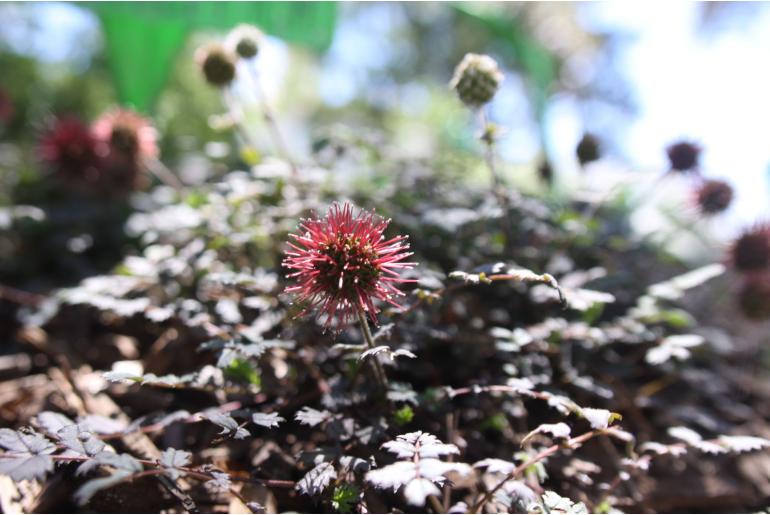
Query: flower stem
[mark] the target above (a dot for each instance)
(488, 138)
(161, 171)
(489, 148)
(272, 124)
(236, 115)
(379, 371)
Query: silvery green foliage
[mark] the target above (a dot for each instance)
(507, 340)
(236, 308)
(551, 502)
(56, 423)
(453, 218)
(177, 253)
(27, 454)
(516, 495)
(79, 441)
(311, 417)
(109, 459)
(267, 419)
(740, 444)
(459, 507)
(121, 467)
(232, 349)
(495, 466)
(556, 431)
(353, 464)
(598, 418)
(220, 481)
(172, 459)
(390, 354)
(651, 306)
(676, 287)
(675, 346)
(208, 377)
(570, 286)
(159, 421)
(108, 293)
(421, 472)
(402, 392)
(317, 479)
(51, 422)
(722, 444)
(176, 416)
(11, 214)
(169, 380)
(230, 427)
(102, 425)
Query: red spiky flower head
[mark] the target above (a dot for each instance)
(70, 149)
(342, 263)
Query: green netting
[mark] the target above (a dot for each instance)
(142, 38)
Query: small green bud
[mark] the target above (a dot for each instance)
(476, 79)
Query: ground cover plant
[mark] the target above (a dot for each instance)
(280, 338)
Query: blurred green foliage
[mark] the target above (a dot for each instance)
(142, 38)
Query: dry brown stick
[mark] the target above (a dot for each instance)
(67, 388)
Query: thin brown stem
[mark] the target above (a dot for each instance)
(436, 504)
(489, 148)
(488, 138)
(451, 422)
(164, 175)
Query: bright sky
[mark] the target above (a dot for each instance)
(713, 87)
